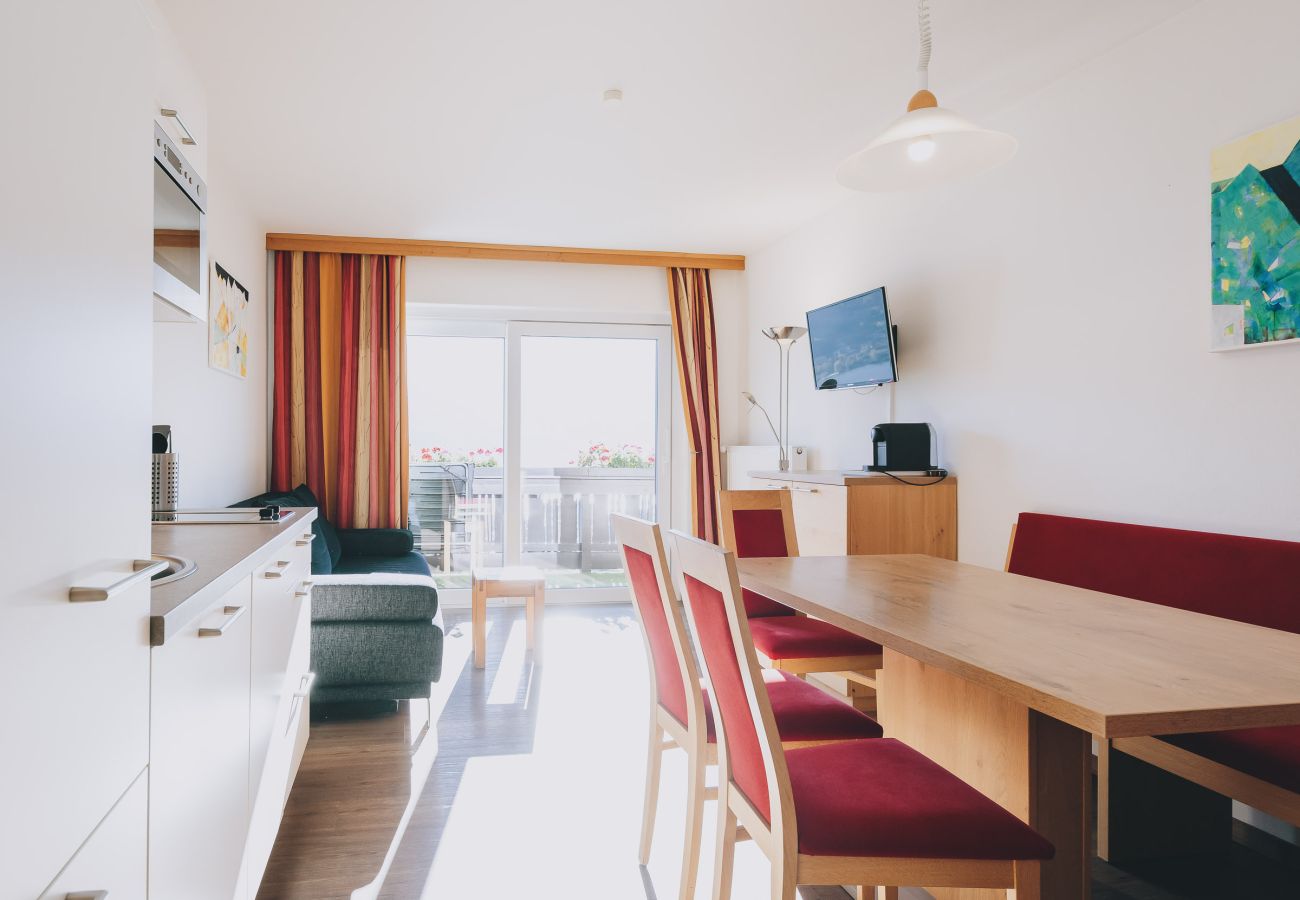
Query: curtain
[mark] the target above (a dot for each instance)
(690, 299)
(339, 402)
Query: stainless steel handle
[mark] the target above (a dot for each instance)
(272, 573)
(304, 686)
(804, 490)
(232, 614)
(186, 137)
(305, 539)
(282, 563)
(144, 570)
(302, 592)
(86, 895)
(299, 697)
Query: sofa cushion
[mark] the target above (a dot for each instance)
(411, 563)
(322, 527)
(882, 798)
(322, 562)
(376, 541)
(353, 655)
(373, 598)
(1270, 754)
(1247, 579)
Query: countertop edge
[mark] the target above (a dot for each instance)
(165, 625)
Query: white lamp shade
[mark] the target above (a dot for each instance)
(923, 147)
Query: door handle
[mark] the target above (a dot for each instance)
(232, 614)
(86, 895)
(304, 686)
(144, 570)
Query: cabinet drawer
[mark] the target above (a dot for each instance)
(821, 518)
(198, 797)
(112, 860)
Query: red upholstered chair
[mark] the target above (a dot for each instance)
(761, 523)
(871, 812)
(805, 715)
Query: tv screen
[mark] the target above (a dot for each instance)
(852, 343)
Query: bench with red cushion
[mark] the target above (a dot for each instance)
(1251, 580)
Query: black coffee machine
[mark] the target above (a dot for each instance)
(903, 447)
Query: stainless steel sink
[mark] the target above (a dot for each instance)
(177, 568)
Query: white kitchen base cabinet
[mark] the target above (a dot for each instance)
(198, 798)
(112, 862)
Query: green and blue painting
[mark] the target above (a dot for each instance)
(1255, 233)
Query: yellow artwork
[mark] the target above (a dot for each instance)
(228, 303)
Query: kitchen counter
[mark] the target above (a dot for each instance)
(223, 553)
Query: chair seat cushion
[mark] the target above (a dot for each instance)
(759, 607)
(799, 637)
(804, 712)
(882, 798)
(411, 563)
(1270, 754)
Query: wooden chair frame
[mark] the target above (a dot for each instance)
(779, 837)
(666, 732)
(1200, 771)
(858, 669)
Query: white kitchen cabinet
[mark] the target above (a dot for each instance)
(112, 862)
(198, 799)
(74, 247)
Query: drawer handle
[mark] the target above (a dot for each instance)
(272, 573)
(86, 895)
(187, 138)
(305, 539)
(232, 614)
(304, 686)
(282, 563)
(804, 490)
(144, 570)
(304, 591)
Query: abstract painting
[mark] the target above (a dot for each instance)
(227, 323)
(1255, 235)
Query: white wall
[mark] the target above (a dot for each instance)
(472, 289)
(219, 423)
(1054, 315)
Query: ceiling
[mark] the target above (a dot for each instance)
(483, 121)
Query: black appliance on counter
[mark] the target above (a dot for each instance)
(903, 447)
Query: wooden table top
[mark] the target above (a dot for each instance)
(1109, 665)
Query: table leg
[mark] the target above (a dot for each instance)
(536, 621)
(1033, 765)
(478, 622)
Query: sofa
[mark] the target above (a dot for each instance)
(376, 630)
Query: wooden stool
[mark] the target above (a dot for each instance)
(512, 581)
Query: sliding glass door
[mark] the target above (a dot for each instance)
(538, 431)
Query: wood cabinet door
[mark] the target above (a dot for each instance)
(75, 227)
(113, 860)
(820, 518)
(198, 795)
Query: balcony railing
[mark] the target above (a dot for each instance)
(458, 511)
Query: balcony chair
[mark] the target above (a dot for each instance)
(804, 714)
(761, 523)
(867, 812)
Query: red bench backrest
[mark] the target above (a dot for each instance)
(1248, 579)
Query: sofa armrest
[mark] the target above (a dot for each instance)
(373, 598)
(376, 541)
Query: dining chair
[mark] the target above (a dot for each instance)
(874, 813)
(680, 712)
(761, 523)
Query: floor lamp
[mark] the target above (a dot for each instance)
(784, 336)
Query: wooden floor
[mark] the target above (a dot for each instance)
(528, 783)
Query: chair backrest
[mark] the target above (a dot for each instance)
(1248, 579)
(675, 677)
(759, 523)
(749, 747)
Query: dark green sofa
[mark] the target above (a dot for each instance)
(376, 631)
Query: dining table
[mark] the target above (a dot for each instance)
(1007, 681)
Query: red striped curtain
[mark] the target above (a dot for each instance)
(690, 299)
(339, 406)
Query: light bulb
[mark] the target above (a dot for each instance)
(920, 149)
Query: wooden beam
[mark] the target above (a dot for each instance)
(175, 237)
(325, 243)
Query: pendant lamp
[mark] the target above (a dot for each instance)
(928, 144)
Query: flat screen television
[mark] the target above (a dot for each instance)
(852, 343)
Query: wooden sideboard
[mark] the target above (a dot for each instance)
(837, 513)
